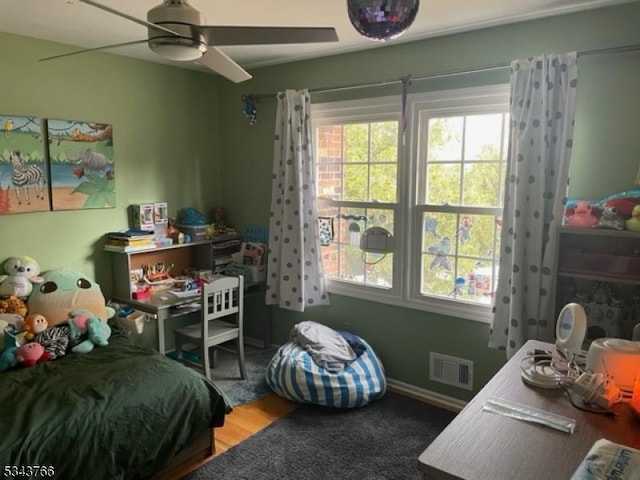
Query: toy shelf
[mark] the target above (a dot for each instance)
(590, 261)
(185, 256)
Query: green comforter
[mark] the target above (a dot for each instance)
(118, 412)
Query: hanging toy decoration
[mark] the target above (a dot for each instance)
(250, 110)
(441, 250)
(464, 231)
(431, 226)
(354, 229)
(382, 20)
(458, 287)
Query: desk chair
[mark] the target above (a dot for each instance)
(221, 299)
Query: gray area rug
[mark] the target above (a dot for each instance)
(226, 375)
(382, 440)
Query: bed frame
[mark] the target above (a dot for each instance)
(196, 453)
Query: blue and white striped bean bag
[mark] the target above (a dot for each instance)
(293, 374)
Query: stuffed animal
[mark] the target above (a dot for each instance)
(21, 273)
(55, 340)
(633, 223)
(34, 323)
(84, 322)
(610, 218)
(582, 216)
(31, 353)
(8, 358)
(13, 305)
(8, 323)
(64, 290)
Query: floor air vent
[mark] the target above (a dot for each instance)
(451, 370)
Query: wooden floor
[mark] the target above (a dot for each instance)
(248, 419)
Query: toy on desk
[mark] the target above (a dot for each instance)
(156, 272)
(189, 284)
(157, 278)
(142, 216)
(141, 292)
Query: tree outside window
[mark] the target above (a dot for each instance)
(439, 192)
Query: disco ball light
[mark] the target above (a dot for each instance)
(382, 20)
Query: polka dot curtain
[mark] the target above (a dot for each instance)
(295, 279)
(543, 93)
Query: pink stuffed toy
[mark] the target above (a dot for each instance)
(582, 216)
(31, 353)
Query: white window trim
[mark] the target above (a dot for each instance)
(407, 263)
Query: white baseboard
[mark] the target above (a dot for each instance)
(427, 396)
(254, 342)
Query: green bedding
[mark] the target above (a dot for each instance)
(119, 412)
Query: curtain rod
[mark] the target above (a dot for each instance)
(487, 68)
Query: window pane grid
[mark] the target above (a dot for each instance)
(452, 195)
(358, 161)
(342, 258)
(357, 165)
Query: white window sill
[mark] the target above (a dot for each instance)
(466, 311)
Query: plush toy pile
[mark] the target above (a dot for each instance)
(46, 316)
(619, 211)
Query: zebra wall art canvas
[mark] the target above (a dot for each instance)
(82, 164)
(24, 176)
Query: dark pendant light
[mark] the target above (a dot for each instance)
(382, 20)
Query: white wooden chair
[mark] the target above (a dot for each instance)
(220, 322)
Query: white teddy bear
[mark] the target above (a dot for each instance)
(21, 273)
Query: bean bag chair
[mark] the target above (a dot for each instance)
(293, 374)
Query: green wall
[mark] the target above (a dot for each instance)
(606, 155)
(181, 136)
(166, 143)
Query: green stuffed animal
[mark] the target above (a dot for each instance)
(83, 322)
(8, 358)
(64, 290)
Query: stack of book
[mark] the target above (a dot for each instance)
(129, 241)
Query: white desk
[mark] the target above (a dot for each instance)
(487, 446)
(166, 305)
(162, 306)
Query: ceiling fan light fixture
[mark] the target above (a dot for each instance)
(179, 49)
(382, 20)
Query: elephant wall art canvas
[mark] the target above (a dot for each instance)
(82, 164)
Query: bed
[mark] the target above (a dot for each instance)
(118, 412)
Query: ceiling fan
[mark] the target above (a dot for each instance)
(177, 31)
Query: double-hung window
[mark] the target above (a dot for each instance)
(437, 188)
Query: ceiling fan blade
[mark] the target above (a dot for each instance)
(219, 62)
(86, 50)
(144, 23)
(227, 35)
